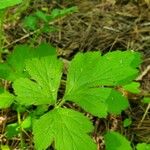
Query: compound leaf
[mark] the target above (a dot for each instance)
(115, 141)
(45, 73)
(67, 128)
(90, 72)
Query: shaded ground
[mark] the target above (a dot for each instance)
(106, 27)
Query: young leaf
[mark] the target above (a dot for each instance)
(68, 129)
(12, 130)
(7, 3)
(30, 22)
(41, 15)
(127, 122)
(26, 123)
(46, 73)
(133, 87)
(143, 146)
(115, 141)
(57, 13)
(6, 99)
(146, 100)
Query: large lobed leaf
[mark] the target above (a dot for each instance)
(90, 73)
(42, 89)
(68, 130)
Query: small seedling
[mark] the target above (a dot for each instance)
(44, 22)
(127, 122)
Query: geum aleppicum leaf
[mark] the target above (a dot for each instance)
(43, 86)
(67, 128)
(91, 75)
(14, 67)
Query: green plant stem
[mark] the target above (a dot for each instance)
(21, 133)
(61, 103)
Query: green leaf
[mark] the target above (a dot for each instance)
(90, 71)
(143, 146)
(116, 102)
(48, 29)
(26, 123)
(133, 87)
(43, 50)
(127, 122)
(14, 67)
(6, 99)
(5, 147)
(115, 141)
(46, 73)
(146, 100)
(92, 100)
(68, 129)
(7, 3)
(41, 15)
(57, 13)
(12, 130)
(30, 22)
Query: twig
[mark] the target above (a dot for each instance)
(20, 39)
(147, 109)
(143, 73)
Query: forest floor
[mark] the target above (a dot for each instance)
(103, 26)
